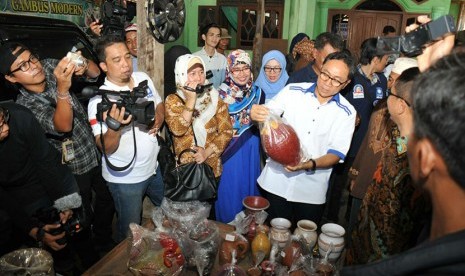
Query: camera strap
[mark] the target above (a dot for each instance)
(109, 164)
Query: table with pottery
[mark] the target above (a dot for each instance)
(259, 250)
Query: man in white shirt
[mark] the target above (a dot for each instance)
(115, 134)
(214, 61)
(324, 122)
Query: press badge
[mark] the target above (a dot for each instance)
(67, 150)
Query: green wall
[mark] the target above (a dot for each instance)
(308, 16)
(435, 8)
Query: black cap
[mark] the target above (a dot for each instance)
(7, 58)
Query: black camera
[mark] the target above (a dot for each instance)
(199, 89)
(412, 43)
(142, 113)
(114, 17)
(51, 215)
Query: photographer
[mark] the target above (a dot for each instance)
(142, 176)
(31, 177)
(44, 89)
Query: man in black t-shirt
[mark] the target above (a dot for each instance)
(31, 177)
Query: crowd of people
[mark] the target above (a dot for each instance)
(380, 148)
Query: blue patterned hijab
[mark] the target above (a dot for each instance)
(272, 88)
(239, 98)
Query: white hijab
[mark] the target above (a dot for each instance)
(180, 71)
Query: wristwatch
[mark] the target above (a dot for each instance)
(313, 165)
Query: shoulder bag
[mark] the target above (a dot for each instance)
(187, 182)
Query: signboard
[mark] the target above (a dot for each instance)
(77, 11)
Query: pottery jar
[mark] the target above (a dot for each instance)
(291, 253)
(331, 233)
(307, 229)
(232, 241)
(261, 244)
(280, 232)
(254, 205)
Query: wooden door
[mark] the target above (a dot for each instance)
(366, 24)
(361, 26)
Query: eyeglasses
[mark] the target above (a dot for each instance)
(399, 97)
(236, 71)
(26, 64)
(334, 82)
(4, 117)
(272, 69)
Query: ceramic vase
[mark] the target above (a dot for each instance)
(331, 233)
(280, 232)
(261, 245)
(254, 205)
(307, 229)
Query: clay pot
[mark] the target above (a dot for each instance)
(279, 232)
(230, 243)
(331, 233)
(324, 268)
(291, 253)
(260, 244)
(307, 229)
(268, 268)
(253, 205)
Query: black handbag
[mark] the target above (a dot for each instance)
(166, 158)
(187, 182)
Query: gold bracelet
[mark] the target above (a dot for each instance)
(188, 109)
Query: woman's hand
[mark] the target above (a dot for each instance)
(259, 113)
(191, 96)
(201, 155)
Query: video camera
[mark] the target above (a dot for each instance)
(114, 17)
(412, 43)
(51, 215)
(199, 89)
(142, 113)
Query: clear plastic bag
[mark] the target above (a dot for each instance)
(154, 253)
(235, 241)
(183, 215)
(27, 261)
(204, 240)
(280, 141)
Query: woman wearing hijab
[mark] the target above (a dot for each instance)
(242, 157)
(203, 114)
(170, 60)
(273, 76)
